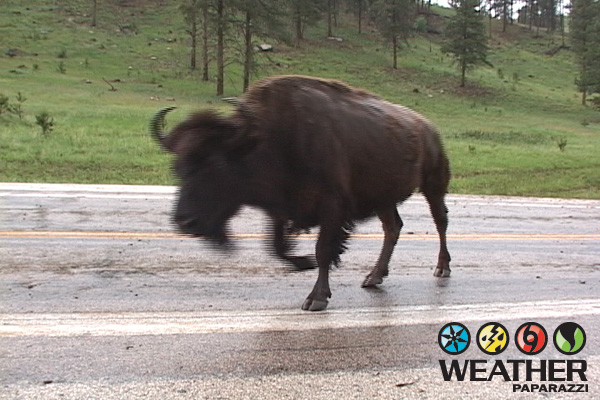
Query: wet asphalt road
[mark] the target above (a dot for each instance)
(100, 300)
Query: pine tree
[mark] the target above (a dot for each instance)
(394, 20)
(585, 38)
(466, 38)
(200, 19)
(304, 12)
(221, 22)
(262, 18)
(192, 12)
(358, 8)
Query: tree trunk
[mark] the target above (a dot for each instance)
(463, 72)
(395, 52)
(504, 15)
(329, 18)
(249, 50)
(298, 21)
(335, 13)
(360, 11)
(205, 43)
(94, 12)
(530, 10)
(220, 49)
(194, 36)
(489, 14)
(511, 12)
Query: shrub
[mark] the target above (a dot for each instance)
(420, 25)
(3, 103)
(45, 121)
(61, 68)
(17, 108)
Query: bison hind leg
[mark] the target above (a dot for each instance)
(434, 187)
(439, 212)
(392, 224)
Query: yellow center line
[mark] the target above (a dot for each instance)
(311, 236)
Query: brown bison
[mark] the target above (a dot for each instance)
(309, 152)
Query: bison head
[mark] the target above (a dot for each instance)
(209, 151)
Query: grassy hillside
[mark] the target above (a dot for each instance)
(516, 129)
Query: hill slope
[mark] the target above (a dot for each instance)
(516, 129)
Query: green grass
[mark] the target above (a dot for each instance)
(502, 134)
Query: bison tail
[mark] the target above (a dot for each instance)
(436, 178)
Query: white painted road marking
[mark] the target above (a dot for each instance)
(53, 190)
(174, 323)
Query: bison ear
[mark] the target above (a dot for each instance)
(243, 136)
(241, 140)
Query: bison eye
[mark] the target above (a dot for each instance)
(189, 166)
(185, 169)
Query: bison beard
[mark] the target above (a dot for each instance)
(309, 152)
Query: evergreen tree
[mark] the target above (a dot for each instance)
(466, 38)
(205, 37)
(221, 23)
(394, 20)
(358, 8)
(548, 14)
(305, 12)
(192, 13)
(197, 17)
(332, 10)
(262, 18)
(585, 38)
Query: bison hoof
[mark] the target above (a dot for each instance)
(302, 264)
(442, 272)
(372, 281)
(314, 305)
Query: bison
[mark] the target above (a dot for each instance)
(309, 152)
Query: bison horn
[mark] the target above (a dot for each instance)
(232, 100)
(241, 106)
(157, 123)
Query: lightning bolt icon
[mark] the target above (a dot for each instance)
(497, 337)
(493, 338)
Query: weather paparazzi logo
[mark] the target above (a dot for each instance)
(531, 374)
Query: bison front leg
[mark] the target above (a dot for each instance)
(282, 246)
(392, 224)
(317, 300)
(329, 247)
